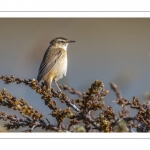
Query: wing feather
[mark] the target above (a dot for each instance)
(50, 58)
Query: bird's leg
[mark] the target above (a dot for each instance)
(57, 84)
(48, 85)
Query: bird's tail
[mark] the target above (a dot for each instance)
(38, 78)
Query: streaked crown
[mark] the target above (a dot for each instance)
(61, 41)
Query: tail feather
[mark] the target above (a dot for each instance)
(38, 78)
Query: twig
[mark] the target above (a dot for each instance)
(71, 90)
(114, 87)
(64, 98)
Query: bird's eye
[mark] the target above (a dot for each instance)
(62, 42)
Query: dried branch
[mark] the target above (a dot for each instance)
(16, 123)
(77, 111)
(142, 118)
(6, 99)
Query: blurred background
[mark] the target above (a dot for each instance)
(108, 49)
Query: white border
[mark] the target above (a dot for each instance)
(77, 5)
(50, 135)
(74, 14)
(105, 8)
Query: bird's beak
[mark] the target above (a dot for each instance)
(71, 41)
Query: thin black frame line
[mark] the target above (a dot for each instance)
(75, 11)
(76, 138)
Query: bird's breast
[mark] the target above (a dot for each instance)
(61, 66)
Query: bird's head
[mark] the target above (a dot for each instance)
(61, 42)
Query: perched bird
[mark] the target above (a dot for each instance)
(54, 63)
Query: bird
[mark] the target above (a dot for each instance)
(54, 63)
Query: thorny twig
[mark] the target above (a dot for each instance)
(82, 106)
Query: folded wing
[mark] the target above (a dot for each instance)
(50, 58)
